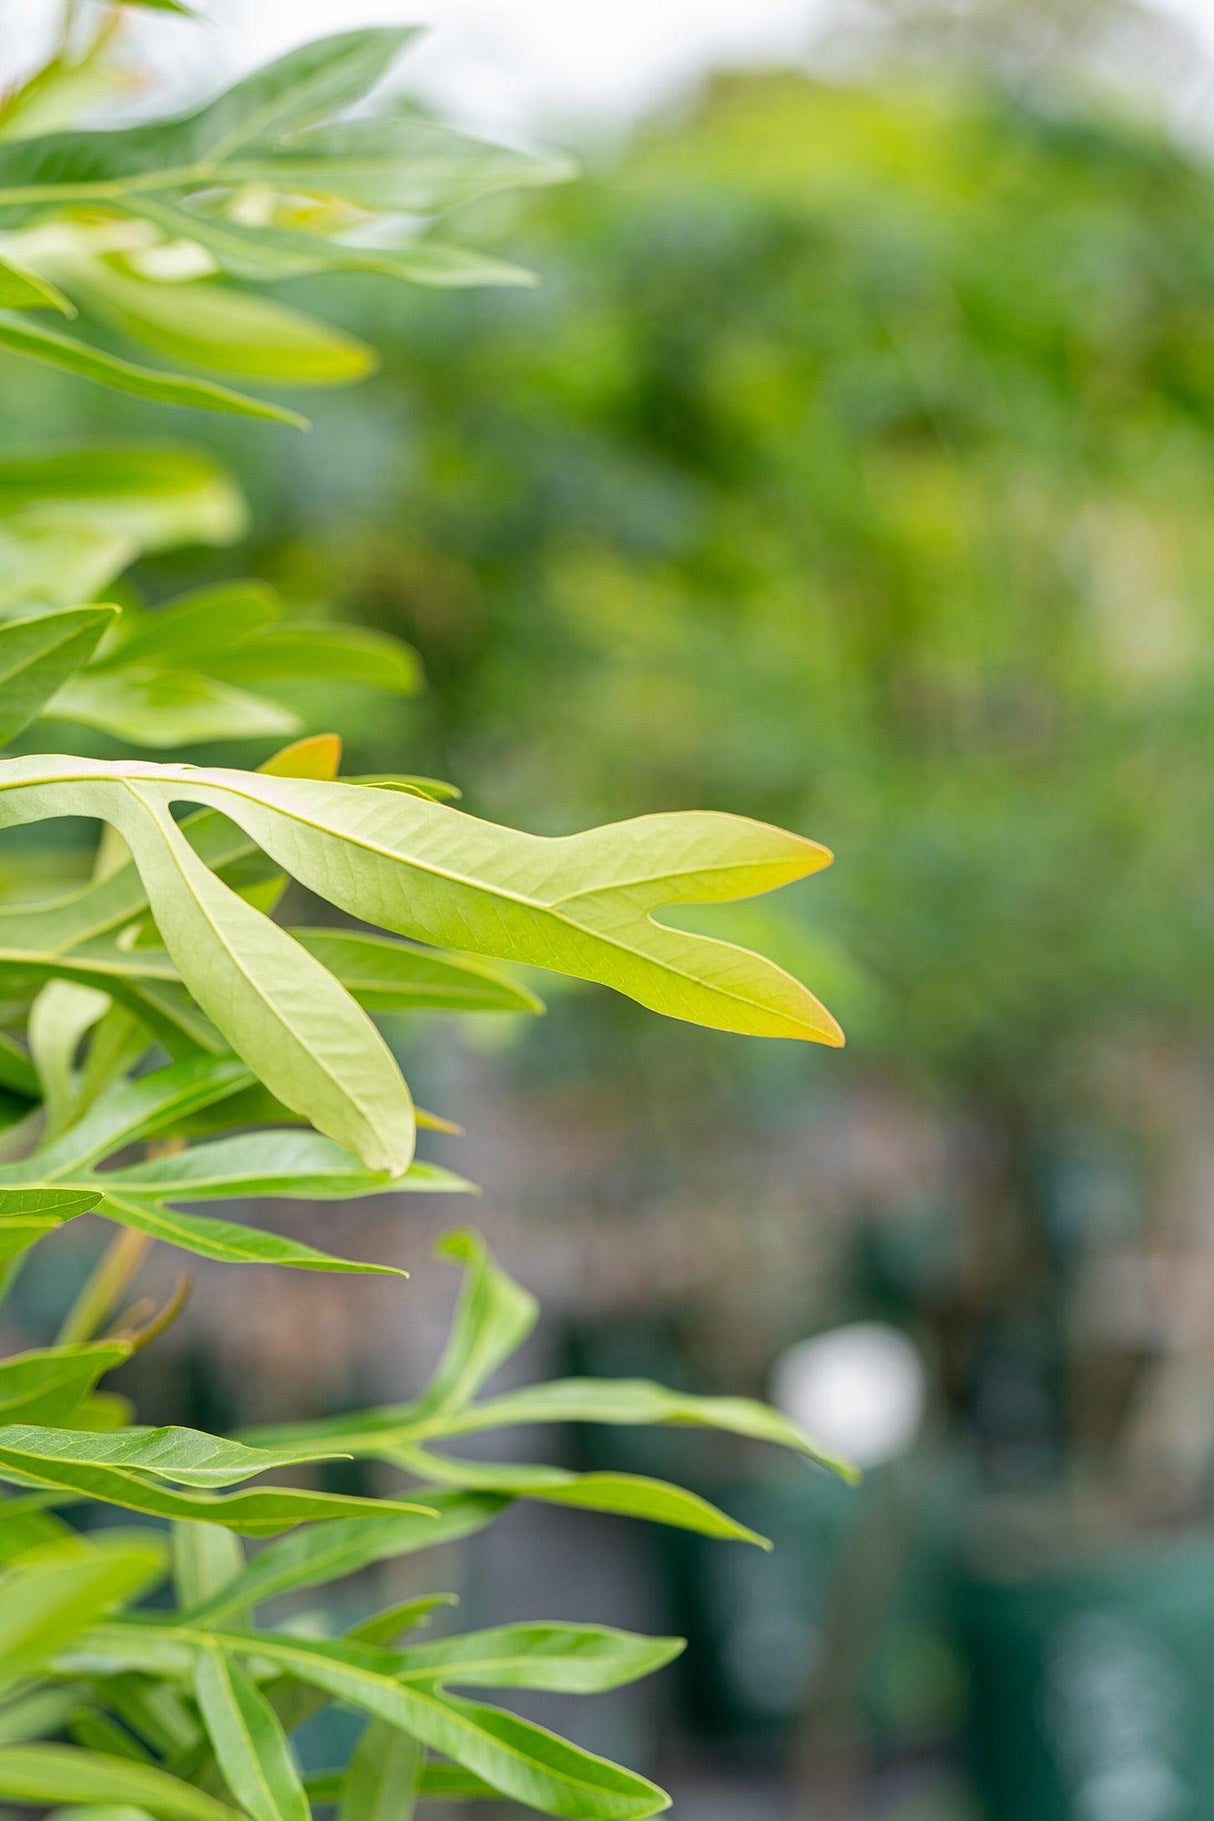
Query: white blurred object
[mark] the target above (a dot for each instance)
(860, 1391)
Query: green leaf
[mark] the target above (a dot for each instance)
(206, 1559)
(317, 78)
(51, 1597)
(385, 975)
(387, 1627)
(438, 1782)
(382, 1781)
(53, 349)
(493, 1318)
(204, 324)
(436, 789)
(265, 254)
(147, 1106)
(59, 1019)
(63, 1773)
(622, 1494)
(401, 164)
(250, 1745)
(641, 1402)
(43, 1202)
(38, 654)
(327, 1552)
(150, 495)
(290, 1021)
(579, 904)
(520, 1759)
(292, 92)
(27, 1215)
(334, 654)
(22, 290)
(166, 708)
(45, 1386)
(97, 1732)
(228, 1241)
(289, 1163)
(185, 1457)
(119, 1470)
(566, 1659)
(38, 1715)
(193, 628)
(16, 1068)
(536, 1767)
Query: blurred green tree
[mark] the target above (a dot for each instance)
(852, 465)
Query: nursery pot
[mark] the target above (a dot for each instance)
(1092, 1686)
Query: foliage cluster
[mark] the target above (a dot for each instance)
(167, 1042)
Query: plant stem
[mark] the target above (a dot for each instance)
(105, 1284)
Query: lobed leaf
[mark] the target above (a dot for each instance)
(579, 904)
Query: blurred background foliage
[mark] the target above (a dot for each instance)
(851, 466)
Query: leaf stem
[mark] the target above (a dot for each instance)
(103, 1287)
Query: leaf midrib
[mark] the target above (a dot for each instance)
(476, 885)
